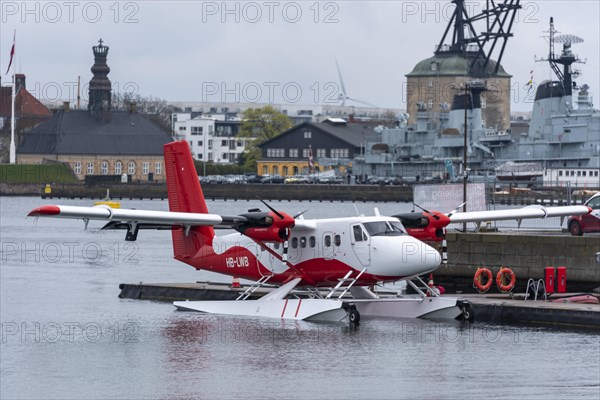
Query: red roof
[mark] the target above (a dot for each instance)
(25, 105)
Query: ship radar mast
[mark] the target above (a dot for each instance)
(566, 58)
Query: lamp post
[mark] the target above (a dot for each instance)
(465, 173)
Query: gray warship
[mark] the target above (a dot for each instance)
(561, 145)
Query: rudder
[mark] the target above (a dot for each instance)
(185, 195)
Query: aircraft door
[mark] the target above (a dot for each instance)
(267, 259)
(361, 244)
(328, 248)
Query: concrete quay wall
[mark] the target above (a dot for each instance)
(314, 192)
(526, 254)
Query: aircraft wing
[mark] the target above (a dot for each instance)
(518, 214)
(260, 226)
(150, 217)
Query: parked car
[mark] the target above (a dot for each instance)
(272, 179)
(210, 179)
(253, 178)
(578, 224)
(331, 180)
(235, 179)
(296, 179)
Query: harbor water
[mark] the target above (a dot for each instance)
(66, 334)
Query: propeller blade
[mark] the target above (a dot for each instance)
(271, 208)
(444, 248)
(284, 256)
(299, 214)
(456, 209)
(427, 211)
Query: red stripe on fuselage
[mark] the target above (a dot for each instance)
(314, 271)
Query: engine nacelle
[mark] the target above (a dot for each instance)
(271, 234)
(267, 227)
(424, 226)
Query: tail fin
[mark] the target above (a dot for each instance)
(185, 195)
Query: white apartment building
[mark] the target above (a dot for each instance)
(298, 113)
(211, 138)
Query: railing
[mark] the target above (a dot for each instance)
(538, 287)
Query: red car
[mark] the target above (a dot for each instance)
(579, 224)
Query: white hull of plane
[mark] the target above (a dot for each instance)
(295, 309)
(330, 309)
(412, 307)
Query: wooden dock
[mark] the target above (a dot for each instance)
(500, 309)
(185, 291)
(503, 309)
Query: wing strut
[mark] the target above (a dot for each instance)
(132, 232)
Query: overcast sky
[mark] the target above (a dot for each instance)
(281, 51)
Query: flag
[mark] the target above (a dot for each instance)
(529, 84)
(311, 161)
(12, 53)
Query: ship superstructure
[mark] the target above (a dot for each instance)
(563, 136)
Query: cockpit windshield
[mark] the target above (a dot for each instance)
(384, 228)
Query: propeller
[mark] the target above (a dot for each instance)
(444, 242)
(271, 208)
(286, 232)
(299, 214)
(456, 209)
(444, 247)
(441, 231)
(427, 211)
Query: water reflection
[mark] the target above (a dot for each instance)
(149, 350)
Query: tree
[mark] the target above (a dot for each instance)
(387, 119)
(261, 124)
(157, 109)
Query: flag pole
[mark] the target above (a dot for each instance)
(13, 151)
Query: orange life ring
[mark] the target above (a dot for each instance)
(506, 275)
(477, 280)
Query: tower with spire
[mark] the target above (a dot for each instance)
(471, 48)
(100, 86)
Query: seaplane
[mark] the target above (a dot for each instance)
(318, 269)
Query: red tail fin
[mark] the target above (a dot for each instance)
(185, 195)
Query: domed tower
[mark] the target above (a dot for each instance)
(436, 80)
(100, 86)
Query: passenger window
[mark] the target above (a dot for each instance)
(276, 246)
(312, 241)
(337, 240)
(303, 242)
(327, 241)
(294, 243)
